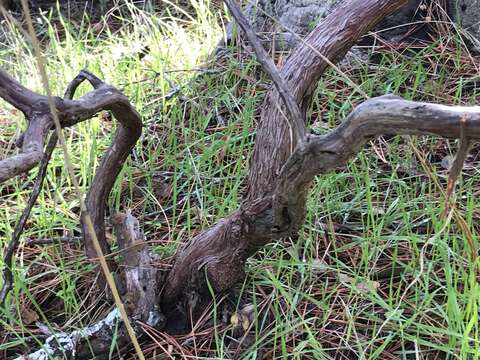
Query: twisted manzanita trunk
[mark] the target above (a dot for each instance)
(220, 252)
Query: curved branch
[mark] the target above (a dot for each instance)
(32, 149)
(104, 97)
(375, 117)
(81, 77)
(71, 112)
(17, 95)
(34, 106)
(221, 251)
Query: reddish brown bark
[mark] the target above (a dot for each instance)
(220, 252)
(332, 38)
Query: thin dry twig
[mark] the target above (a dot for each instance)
(299, 38)
(455, 171)
(37, 187)
(53, 240)
(269, 67)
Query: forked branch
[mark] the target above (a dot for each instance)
(375, 117)
(279, 178)
(70, 112)
(332, 38)
(222, 250)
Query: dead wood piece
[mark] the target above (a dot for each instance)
(17, 95)
(80, 344)
(32, 149)
(140, 299)
(138, 270)
(32, 140)
(375, 117)
(70, 112)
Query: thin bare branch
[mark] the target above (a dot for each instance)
(37, 187)
(53, 240)
(297, 118)
(458, 162)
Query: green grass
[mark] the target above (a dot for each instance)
(343, 289)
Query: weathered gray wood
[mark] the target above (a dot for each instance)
(377, 116)
(140, 299)
(33, 138)
(77, 344)
(138, 271)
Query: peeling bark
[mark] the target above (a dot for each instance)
(332, 38)
(64, 345)
(139, 273)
